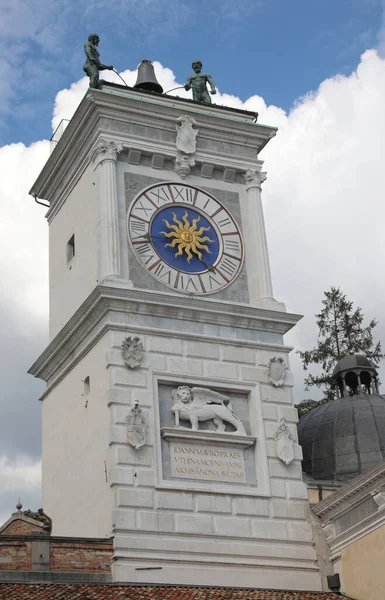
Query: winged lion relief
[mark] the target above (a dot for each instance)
(202, 404)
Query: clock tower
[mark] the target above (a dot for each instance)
(168, 418)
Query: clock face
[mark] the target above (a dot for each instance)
(185, 238)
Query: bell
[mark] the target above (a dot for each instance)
(146, 78)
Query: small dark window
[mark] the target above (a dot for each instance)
(70, 248)
(87, 386)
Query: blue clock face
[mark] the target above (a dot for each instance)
(185, 238)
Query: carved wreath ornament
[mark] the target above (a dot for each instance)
(132, 351)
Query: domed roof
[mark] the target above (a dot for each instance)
(344, 437)
(351, 362)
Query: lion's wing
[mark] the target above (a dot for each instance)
(206, 396)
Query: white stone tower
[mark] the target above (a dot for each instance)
(168, 420)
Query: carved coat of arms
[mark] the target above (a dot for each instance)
(284, 443)
(136, 427)
(132, 351)
(186, 134)
(277, 371)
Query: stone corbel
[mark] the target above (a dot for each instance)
(329, 530)
(379, 498)
(183, 164)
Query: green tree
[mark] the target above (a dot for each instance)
(341, 329)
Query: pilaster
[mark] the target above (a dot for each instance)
(261, 289)
(105, 156)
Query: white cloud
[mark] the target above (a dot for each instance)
(19, 474)
(323, 200)
(20, 479)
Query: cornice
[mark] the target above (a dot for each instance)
(88, 321)
(72, 153)
(351, 494)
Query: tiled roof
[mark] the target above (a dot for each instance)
(57, 591)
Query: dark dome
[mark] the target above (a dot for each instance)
(344, 437)
(351, 362)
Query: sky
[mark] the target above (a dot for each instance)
(314, 69)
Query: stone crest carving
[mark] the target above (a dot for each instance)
(183, 164)
(132, 351)
(202, 404)
(284, 443)
(186, 134)
(136, 427)
(277, 371)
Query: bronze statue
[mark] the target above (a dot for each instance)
(92, 66)
(198, 83)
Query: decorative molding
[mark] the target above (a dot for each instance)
(186, 134)
(188, 435)
(105, 150)
(254, 178)
(72, 154)
(90, 323)
(277, 371)
(196, 404)
(284, 443)
(352, 493)
(183, 165)
(136, 427)
(132, 351)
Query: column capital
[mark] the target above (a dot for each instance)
(105, 150)
(254, 178)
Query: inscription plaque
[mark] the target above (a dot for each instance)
(207, 463)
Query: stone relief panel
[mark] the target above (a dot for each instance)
(203, 404)
(214, 444)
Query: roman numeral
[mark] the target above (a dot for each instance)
(185, 195)
(214, 283)
(232, 245)
(224, 222)
(228, 265)
(163, 272)
(138, 227)
(146, 209)
(160, 195)
(145, 251)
